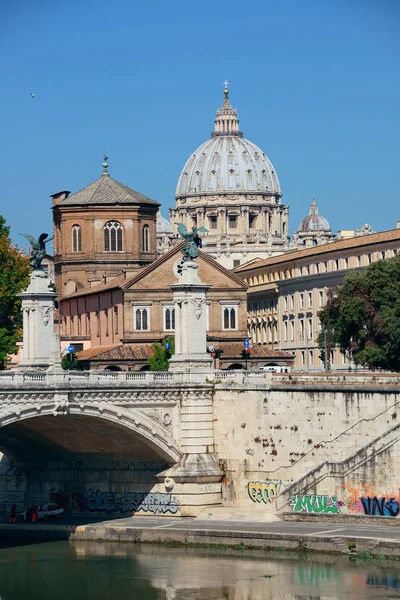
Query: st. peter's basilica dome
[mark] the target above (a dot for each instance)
(229, 187)
(227, 162)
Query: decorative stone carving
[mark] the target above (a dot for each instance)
(169, 484)
(98, 223)
(60, 407)
(167, 419)
(45, 314)
(198, 306)
(128, 223)
(364, 230)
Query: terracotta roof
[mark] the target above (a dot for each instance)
(235, 349)
(143, 351)
(106, 190)
(118, 352)
(355, 242)
(123, 283)
(92, 352)
(102, 287)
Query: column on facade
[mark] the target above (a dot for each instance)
(261, 220)
(244, 220)
(223, 220)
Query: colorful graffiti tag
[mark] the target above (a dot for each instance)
(372, 500)
(264, 491)
(384, 507)
(77, 501)
(315, 504)
(111, 502)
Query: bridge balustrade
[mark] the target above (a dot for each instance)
(68, 379)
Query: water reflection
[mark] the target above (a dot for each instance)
(99, 571)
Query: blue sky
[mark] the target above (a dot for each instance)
(315, 82)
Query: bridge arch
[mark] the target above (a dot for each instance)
(155, 436)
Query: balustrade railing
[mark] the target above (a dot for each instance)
(70, 379)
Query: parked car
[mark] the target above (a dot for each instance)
(44, 512)
(275, 369)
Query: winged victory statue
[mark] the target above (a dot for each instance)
(38, 249)
(190, 252)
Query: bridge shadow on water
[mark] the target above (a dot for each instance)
(22, 532)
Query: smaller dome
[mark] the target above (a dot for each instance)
(314, 221)
(163, 225)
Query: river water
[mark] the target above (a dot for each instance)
(103, 571)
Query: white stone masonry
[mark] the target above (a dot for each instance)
(40, 343)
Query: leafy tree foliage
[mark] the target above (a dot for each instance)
(14, 278)
(362, 316)
(69, 362)
(161, 355)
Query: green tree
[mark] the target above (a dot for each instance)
(161, 355)
(362, 317)
(70, 362)
(14, 278)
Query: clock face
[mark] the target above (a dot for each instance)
(178, 268)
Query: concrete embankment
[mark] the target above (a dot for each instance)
(314, 537)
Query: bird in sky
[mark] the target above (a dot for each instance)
(32, 95)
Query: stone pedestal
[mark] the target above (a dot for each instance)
(190, 321)
(41, 346)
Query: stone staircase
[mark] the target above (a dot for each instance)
(339, 469)
(347, 443)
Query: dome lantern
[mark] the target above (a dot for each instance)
(226, 122)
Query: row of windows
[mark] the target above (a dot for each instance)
(322, 267)
(113, 237)
(307, 358)
(260, 331)
(233, 222)
(264, 333)
(82, 324)
(262, 305)
(141, 320)
(289, 329)
(304, 297)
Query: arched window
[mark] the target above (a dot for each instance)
(229, 318)
(142, 319)
(76, 238)
(145, 238)
(113, 237)
(169, 318)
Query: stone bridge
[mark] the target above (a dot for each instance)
(122, 436)
(175, 443)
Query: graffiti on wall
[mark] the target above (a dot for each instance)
(315, 504)
(75, 501)
(372, 500)
(112, 502)
(264, 491)
(384, 507)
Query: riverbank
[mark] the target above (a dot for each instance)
(340, 538)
